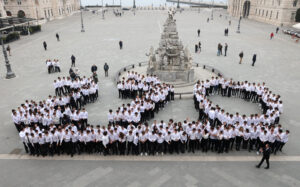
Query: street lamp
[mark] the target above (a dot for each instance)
(239, 25)
(212, 11)
(178, 4)
(134, 4)
(102, 10)
(9, 73)
(82, 26)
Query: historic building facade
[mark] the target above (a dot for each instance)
(41, 9)
(276, 12)
(2, 10)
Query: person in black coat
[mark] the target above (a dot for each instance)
(266, 156)
(121, 44)
(106, 67)
(253, 59)
(94, 68)
(73, 58)
(45, 45)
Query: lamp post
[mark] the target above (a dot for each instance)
(82, 26)
(212, 11)
(37, 16)
(134, 4)
(178, 4)
(9, 73)
(102, 11)
(239, 25)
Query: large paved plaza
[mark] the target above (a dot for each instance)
(277, 65)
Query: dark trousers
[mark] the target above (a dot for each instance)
(192, 145)
(262, 160)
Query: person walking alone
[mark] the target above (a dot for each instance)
(121, 44)
(241, 55)
(57, 37)
(8, 50)
(266, 156)
(106, 68)
(271, 36)
(45, 45)
(253, 59)
(198, 31)
(199, 47)
(73, 58)
(196, 48)
(225, 49)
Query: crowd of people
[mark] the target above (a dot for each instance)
(50, 127)
(149, 96)
(53, 66)
(64, 108)
(265, 127)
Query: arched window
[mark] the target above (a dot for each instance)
(8, 13)
(21, 14)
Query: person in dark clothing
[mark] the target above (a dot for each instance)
(277, 29)
(73, 58)
(106, 67)
(57, 37)
(95, 77)
(8, 50)
(45, 45)
(94, 68)
(225, 49)
(121, 44)
(241, 55)
(199, 47)
(253, 59)
(196, 48)
(198, 31)
(266, 156)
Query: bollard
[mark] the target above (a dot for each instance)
(213, 70)
(140, 64)
(132, 65)
(203, 66)
(124, 69)
(197, 65)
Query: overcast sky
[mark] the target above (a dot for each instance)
(137, 2)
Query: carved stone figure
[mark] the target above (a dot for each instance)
(174, 62)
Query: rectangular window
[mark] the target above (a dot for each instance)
(271, 14)
(277, 15)
(293, 15)
(267, 14)
(295, 3)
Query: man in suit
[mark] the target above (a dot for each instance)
(266, 156)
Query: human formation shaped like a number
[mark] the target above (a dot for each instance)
(59, 124)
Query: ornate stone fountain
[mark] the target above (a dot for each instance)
(171, 62)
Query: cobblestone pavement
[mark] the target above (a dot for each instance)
(277, 65)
